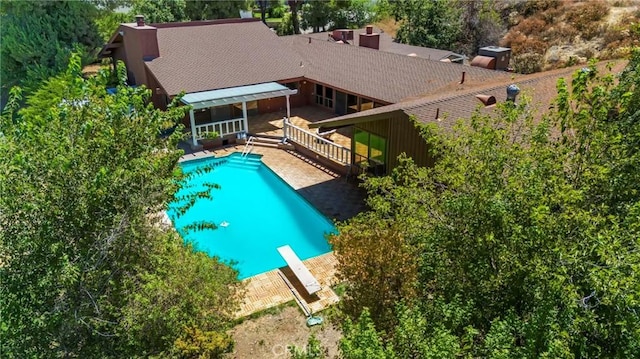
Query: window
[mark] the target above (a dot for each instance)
(328, 97)
(370, 149)
(319, 94)
(324, 96)
(352, 103)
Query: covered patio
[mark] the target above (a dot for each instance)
(225, 112)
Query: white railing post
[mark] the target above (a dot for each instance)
(284, 128)
(316, 143)
(193, 127)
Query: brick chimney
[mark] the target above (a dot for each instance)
(370, 39)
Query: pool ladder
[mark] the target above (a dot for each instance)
(248, 147)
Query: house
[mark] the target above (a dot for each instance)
(380, 135)
(229, 69)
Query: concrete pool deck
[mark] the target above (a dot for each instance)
(334, 196)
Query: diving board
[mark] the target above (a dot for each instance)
(305, 277)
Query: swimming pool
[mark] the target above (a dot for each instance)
(255, 211)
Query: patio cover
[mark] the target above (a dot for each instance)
(238, 94)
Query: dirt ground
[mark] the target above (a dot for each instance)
(271, 335)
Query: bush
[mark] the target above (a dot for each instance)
(531, 26)
(277, 11)
(527, 63)
(585, 17)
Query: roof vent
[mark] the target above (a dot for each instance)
(486, 100)
(139, 20)
(512, 92)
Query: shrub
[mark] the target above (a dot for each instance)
(277, 11)
(527, 63)
(585, 17)
(531, 26)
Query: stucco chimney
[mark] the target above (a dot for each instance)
(139, 20)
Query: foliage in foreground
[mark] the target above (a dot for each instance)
(524, 238)
(87, 270)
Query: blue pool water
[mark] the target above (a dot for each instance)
(255, 211)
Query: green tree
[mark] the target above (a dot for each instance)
(87, 268)
(108, 21)
(39, 36)
(211, 10)
(429, 23)
(375, 260)
(161, 10)
(286, 26)
(362, 341)
(481, 25)
(316, 15)
(157, 11)
(294, 6)
(352, 14)
(526, 231)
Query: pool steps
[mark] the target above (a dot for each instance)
(248, 162)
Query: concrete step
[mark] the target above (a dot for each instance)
(267, 141)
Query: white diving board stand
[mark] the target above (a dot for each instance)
(305, 277)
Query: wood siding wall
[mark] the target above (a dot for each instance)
(402, 136)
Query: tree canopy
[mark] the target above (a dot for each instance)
(523, 240)
(87, 268)
(187, 10)
(39, 36)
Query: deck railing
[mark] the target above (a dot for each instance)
(316, 143)
(227, 127)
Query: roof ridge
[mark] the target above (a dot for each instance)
(166, 25)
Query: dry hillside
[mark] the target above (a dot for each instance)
(548, 34)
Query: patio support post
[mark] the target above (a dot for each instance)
(288, 107)
(193, 127)
(244, 116)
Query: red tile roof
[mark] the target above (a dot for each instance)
(213, 56)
